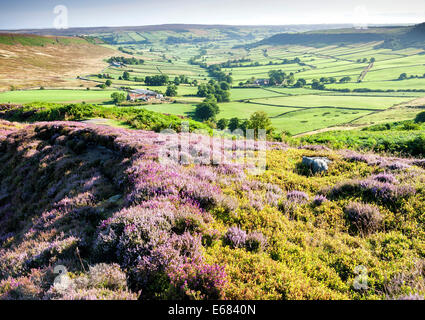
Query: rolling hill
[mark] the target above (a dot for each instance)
(394, 37)
(33, 61)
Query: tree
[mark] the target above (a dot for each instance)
(126, 75)
(214, 89)
(276, 76)
(420, 117)
(260, 121)
(345, 79)
(108, 83)
(207, 110)
(403, 76)
(118, 97)
(224, 86)
(317, 85)
(372, 60)
(157, 80)
(222, 124)
(234, 124)
(300, 83)
(171, 91)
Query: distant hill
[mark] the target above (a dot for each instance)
(169, 27)
(413, 37)
(178, 33)
(32, 60)
(393, 37)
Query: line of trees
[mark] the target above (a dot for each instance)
(257, 121)
(157, 80)
(124, 60)
(404, 76)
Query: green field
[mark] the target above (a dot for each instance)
(60, 96)
(296, 110)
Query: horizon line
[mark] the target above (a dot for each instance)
(218, 25)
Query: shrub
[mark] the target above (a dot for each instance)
(198, 281)
(297, 196)
(398, 166)
(319, 199)
(255, 241)
(363, 217)
(385, 177)
(235, 237)
(108, 276)
(420, 117)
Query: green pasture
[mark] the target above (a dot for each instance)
(59, 96)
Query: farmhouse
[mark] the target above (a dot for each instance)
(262, 82)
(142, 94)
(116, 64)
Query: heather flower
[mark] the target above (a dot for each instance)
(230, 204)
(317, 147)
(375, 189)
(108, 276)
(363, 217)
(319, 199)
(198, 281)
(398, 166)
(187, 221)
(255, 241)
(272, 198)
(235, 237)
(419, 163)
(385, 178)
(358, 157)
(297, 196)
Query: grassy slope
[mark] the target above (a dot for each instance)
(31, 61)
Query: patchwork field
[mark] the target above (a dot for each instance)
(293, 109)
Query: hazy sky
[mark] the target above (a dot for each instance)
(16, 14)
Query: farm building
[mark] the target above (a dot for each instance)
(142, 94)
(116, 64)
(262, 82)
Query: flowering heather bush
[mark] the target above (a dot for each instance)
(319, 199)
(398, 166)
(363, 217)
(6, 128)
(419, 163)
(149, 179)
(255, 241)
(372, 188)
(154, 230)
(385, 178)
(108, 276)
(198, 281)
(271, 145)
(297, 196)
(235, 237)
(230, 204)
(358, 157)
(315, 147)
